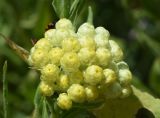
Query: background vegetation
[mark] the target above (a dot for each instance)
(134, 24)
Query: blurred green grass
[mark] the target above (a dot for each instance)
(135, 25)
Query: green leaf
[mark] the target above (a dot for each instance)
(19, 50)
(37, 104)
(76, 9)
(5, 91)
(79, 113)
(62, 8)
(154, 80)
(88, 105)
(128, 107)
(45, 111)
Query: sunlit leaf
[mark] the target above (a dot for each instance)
(128, 107)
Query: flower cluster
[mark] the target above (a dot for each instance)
(80, 66)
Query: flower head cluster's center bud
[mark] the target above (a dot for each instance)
(80, 66)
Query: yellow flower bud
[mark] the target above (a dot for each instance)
(50, 34)
(70, 44)
(103, 56)
(64, 101)
(39, 57)
(86, 29)
(126, 92)
(60, 35)
(63, 83)
(76, 77)
(77, 93)
(87, 56)
(103, 31)
(46, 89)
(93, 75)
(55, 54)
(43, 44)
(64, 24)
(116, 51)
(91, 93)
(50, 73)
(125, 77)
(101, 37)
(110, 76)
(87, 42)
(70, 62)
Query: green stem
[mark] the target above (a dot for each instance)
(5, 90)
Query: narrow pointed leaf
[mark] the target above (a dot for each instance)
(37, 104)
(62, 8)
(45, 112)
(90, 15)
(19, 50)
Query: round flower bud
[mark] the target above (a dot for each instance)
(91, 93)
(64, 101)
(50, 34)
(87, 56)
(50, 73)
(60, 35)
(63, 83)
(55, 55)
(32, 50)
(122, 65)
(101, 41)
(110, 76)
(103, 56)
(39, 58)
(70, 62)
(113, 91)
(87, 42)
(86, 29)
(77, 93)
(102, 30)
(46, 89)
(43, 44)
(116, 51)
(101, 37)
(125, 77)
(76, 77)
(126, 92)
(93, 75)
(70, 44)
(64, 24)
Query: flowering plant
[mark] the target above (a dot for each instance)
(82, 70)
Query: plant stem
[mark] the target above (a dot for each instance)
(5, 90)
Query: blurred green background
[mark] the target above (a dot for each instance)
(134, 24)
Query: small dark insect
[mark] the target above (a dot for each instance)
(51, 25)
(33, 41)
